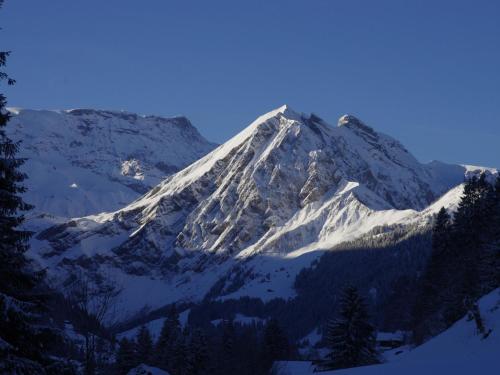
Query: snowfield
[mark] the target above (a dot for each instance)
(86, 161)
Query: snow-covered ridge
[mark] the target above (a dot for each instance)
(254, 211)
(86, 161)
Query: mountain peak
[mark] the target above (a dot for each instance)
(354, 123)
(284, 110)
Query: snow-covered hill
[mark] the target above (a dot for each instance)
(246, 218)
(85, 161)
(458, 350)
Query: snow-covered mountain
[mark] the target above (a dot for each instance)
(246, 218)
(86, 161)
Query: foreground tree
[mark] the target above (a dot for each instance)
(438, 272)
(23, 333)
(351, 337)
(465, 261)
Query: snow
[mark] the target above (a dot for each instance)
(83, 162)
(458, 350)
(241, 319)
(154, 327)
(390, 336)
(143, 369)
(293, 368)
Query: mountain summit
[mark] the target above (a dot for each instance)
(241, 218)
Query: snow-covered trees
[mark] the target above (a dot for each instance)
(351, 337)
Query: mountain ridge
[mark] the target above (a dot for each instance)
(254, 211)
(85, 161)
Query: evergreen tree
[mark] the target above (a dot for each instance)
(169, 334)
(24, 336)
(351, 337)
(144, 346)
(179, 363)
(276, 345)
(438, 273)
(471, 220)
(126, 358)
(228, 362)
(489, 268)
(198, 352)
(465, 261)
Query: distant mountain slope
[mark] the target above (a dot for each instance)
(246, 218)
(86, 161)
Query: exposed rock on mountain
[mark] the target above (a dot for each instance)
(244, 219)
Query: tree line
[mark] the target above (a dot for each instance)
(464, 263)
(223, 348)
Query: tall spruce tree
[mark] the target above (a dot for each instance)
(437, 275)
(23, 336)
(276, 345)
(144, 346)
(126, 358)
(351, 337)
(465, 261)
(179, 360)
(228, 361)
(169, 334)
(198, 352)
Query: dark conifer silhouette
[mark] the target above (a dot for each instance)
(350, 337)
(144, 345)
(23, 335)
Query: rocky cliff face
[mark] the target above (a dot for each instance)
(244, 219)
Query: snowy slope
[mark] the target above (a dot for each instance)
(246, 218)
(143, 369)
(458, 350)
(86, 161)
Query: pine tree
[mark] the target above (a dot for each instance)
(179, 363)
(170, 331)
(464, 263)
(228, 363)
(23, 335)
(351, 337)
(144, 345)
(126, 358)
(198, 352)
(471, 220)
(437, 276)
(276, 345)
(489, 267)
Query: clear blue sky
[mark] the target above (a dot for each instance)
(425, 72)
